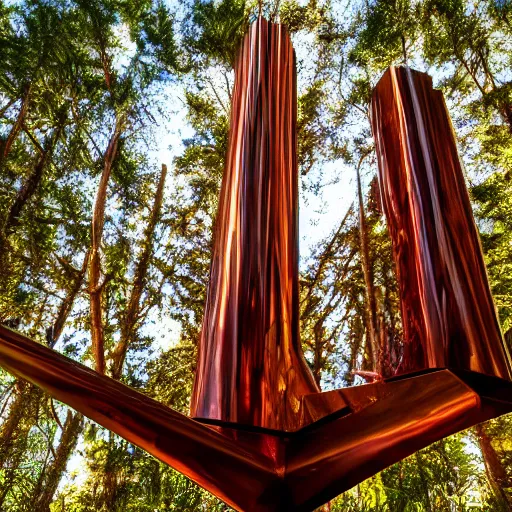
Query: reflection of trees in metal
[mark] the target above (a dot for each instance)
(447, 309)
(276, 444)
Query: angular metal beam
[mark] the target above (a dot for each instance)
(251, 369)
(264, 471)
(235, 471)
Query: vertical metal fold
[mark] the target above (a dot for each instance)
(448, 314)
(250, 368)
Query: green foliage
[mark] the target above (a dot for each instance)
(493, 198)
(388, 28)
(442, 477)
(217, 29)
(298, 17)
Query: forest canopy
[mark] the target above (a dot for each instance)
(114, 119)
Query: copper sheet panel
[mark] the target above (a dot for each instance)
(251, 369)
(448, 314)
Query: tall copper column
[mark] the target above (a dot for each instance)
(251, 369)
(448, 313)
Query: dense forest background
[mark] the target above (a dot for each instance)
(105, 230)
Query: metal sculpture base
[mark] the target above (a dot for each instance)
(258, 469)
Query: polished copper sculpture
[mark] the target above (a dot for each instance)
(448, 313)
(251, 369)
(263, 438)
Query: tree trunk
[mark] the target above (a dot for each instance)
(506, 112)
(495, 470)
(355, 347)
(371, 303)
(24, 407)
(54, 332)
(28, 395)
(31, 184)
(131, 315)
(16, 127)
(424, 484)
(98, 223)
(130, 319)
(14, 436)
(49, 481)
(317, 352)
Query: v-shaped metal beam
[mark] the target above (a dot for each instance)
(263, 437)
(256, 469)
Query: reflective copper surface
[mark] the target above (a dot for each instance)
(401, 417)
(263, 471)
(235, 467)
(448, 313)
(251, 369)
(267, 441)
